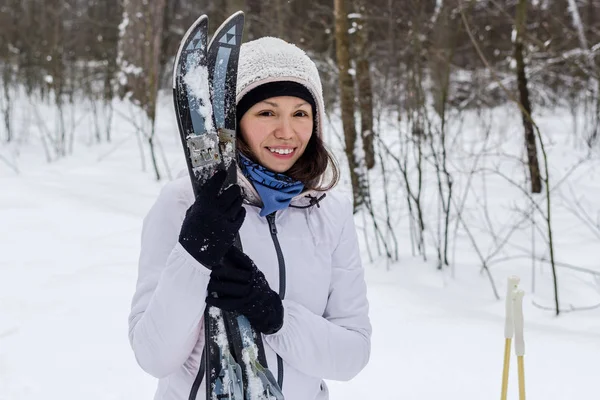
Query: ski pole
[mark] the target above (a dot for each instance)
(519, 341)
(513, 283)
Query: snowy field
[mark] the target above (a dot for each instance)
(69, 240)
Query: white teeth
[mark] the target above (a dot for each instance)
(281, 151)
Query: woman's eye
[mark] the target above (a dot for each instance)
(301, 114)
(266, 113)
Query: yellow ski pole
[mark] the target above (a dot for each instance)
(513, 283)
(519, 341)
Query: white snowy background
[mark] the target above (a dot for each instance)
(69, 241)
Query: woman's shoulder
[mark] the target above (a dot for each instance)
(178, 190)
(333, 204)
(338, 200)
(328, 218)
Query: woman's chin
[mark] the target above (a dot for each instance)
(280, 168)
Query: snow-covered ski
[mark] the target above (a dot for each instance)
(204, 89)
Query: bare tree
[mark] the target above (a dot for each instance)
(363, 79)
(139, 59)
(347, 100)
(6, 99)
(530, 142)
(593, 69)
(445, 31)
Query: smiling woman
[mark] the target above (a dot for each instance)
(299, 279)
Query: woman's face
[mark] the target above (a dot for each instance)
(277, 131)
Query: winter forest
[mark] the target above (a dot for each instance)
(467, 134)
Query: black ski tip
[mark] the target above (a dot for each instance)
(202, 20)
(235, 14)
(237, 18)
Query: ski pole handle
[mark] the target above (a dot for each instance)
(513, 283)
(519, 341)
(518, 321)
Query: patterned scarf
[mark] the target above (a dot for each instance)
(276, 190)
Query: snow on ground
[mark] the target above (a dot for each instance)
(69, 238)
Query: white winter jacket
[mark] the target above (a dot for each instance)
(326, 330)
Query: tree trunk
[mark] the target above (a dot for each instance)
(153, 152)
(7, 77)
(230, 7)
(157, 15)
(56, 70)
(365, 92)
(347, 98)
(140, 48)
(253, 19)
(236, 5)
(280, 19)
(530, 142)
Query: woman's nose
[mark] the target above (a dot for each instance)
(284, 129)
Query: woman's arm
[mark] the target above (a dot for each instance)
(169, 301)
(336, 345)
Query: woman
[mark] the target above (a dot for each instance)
(299, 279)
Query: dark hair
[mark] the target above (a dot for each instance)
(310, 167)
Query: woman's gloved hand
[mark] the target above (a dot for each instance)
(238, 285)
(212, 222)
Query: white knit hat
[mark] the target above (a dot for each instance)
(270, 59)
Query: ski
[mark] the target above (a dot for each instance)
(204, 89)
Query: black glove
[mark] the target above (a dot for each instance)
(212, 222)
(239, 286)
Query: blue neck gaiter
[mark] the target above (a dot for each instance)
(276, 190)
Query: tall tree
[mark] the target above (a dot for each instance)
(347, 99)
(139, 60)
(363, 77)
(530, 141)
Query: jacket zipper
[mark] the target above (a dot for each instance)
(282, 280)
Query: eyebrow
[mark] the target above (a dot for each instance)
(277, 105)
